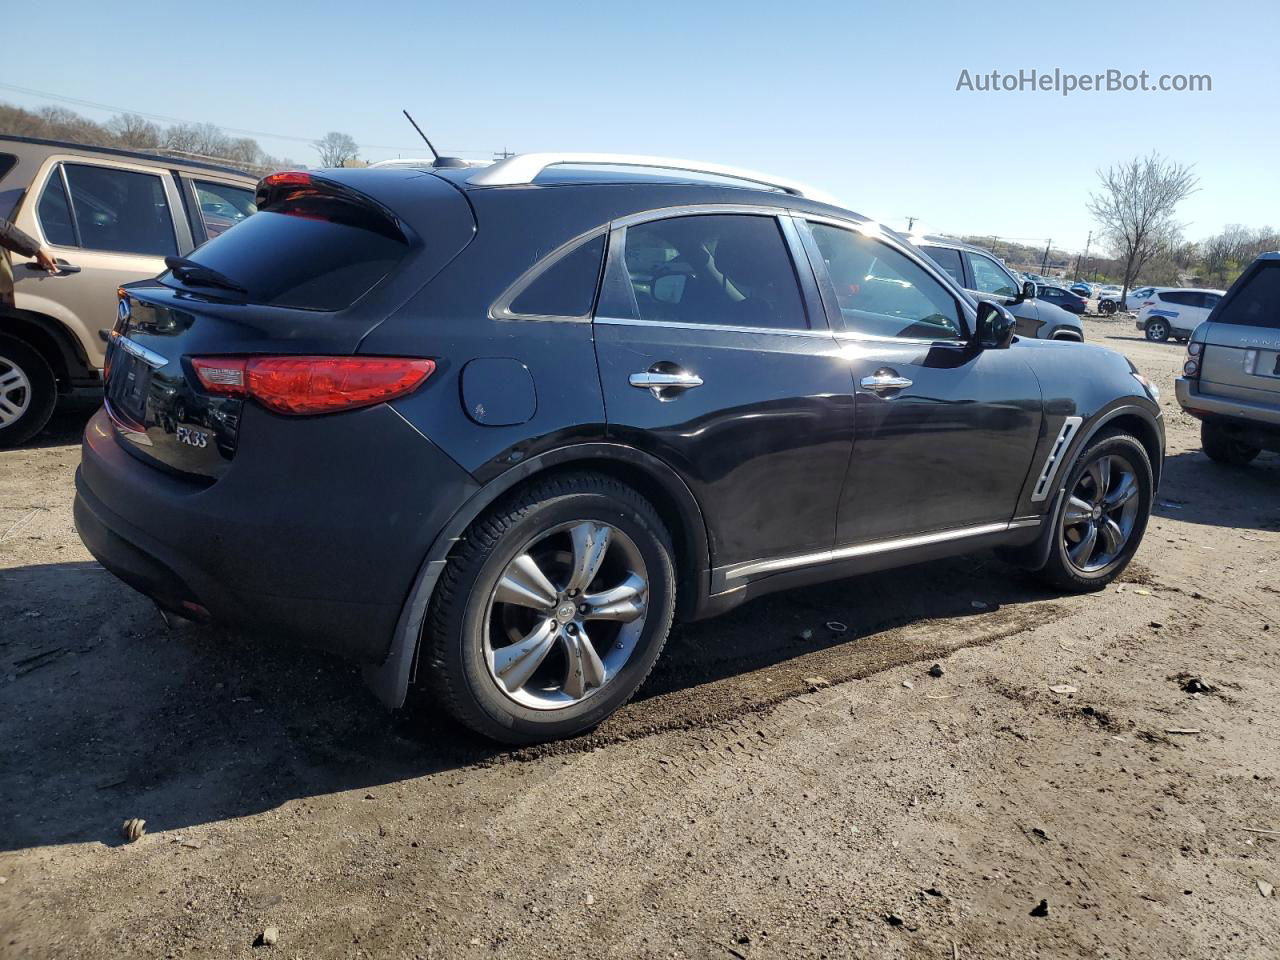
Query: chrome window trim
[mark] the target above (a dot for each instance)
(500, 309)
(728, 578)
(719, 327)
(698, 209)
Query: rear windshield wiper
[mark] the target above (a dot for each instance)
(197, 274)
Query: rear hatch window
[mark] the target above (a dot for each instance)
(313, 245)
(1256, 303)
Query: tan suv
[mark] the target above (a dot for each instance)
(1231, 378)
(109, 217)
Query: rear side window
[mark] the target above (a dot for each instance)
(311, 251)
(566, 288)
(722, 269)
(54, 213)
(948, 260)
(1180, 297)
(120, 211)
(223, 206)
(1257, 302)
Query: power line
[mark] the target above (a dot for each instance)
(95, 105)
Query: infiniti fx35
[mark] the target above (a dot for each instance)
(493, 428)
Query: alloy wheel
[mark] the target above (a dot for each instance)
(15, 392)
(1156, 330)
(566, 615)
(1100, 513)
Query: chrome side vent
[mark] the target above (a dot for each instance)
(1056, 455)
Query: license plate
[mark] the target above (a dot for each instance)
(130, 383)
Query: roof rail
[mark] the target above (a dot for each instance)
(525, 167)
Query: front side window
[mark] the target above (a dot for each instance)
(948, 260)
(989, 278)
(882, 292)
(731, 270)
(120, 211)
(223, 206)
(1257, 302)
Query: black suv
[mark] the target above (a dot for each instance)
(499, 426)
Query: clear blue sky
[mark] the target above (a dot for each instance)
(858, 98)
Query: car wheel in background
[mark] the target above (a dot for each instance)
(28, 392)
(1220, 447)
(552, 610)
(1103, 516)
(1157, 331)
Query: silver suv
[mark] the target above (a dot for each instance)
(108, 217)
(1231, 378)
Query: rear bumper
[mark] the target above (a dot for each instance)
(1206, 406)
(316, 538)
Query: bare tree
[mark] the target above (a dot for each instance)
(134, 132)
(1135, 207)
(336, 149)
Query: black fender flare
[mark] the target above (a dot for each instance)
(1038, 552)
(390, 679)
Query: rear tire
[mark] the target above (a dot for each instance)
(28, 392)
(1157, 331)
(1220, 447)
(1077, 563)
(507, 624)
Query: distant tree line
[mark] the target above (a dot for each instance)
(201, 141)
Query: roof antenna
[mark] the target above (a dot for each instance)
(438, 161)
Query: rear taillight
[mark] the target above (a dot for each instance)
(309, 385)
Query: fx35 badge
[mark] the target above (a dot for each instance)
(192, 437)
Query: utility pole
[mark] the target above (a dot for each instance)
(1044, 261)
(1084, 256)
(502, 154)
(911, 222)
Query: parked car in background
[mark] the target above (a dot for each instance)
(109, 217)
(1176, 312)
(1065, 299)
(1081, 289)
(986, 278)
(525, 428)
(1137, 298)
(1231, 378)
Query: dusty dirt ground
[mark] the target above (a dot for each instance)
(768, 794)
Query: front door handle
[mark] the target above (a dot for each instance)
(665, 384)
(883, 381)
(64, 268)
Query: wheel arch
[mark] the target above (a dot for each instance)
(52, 339)
(1129, 418)
(648, 475)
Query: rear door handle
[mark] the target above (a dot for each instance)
(63, 267)
(883, 381)
(664, 384)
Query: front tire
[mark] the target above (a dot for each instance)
(1220, 447)
(1157, 331)
(28, 392)
(552, 610)
(1100, 523)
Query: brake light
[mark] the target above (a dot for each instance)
(310, 385)
(292, 178)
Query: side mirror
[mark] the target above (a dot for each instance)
(995, 326)
(1028, 292)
